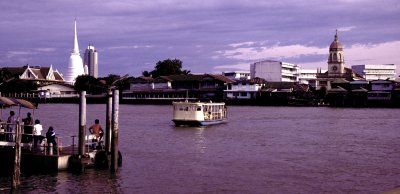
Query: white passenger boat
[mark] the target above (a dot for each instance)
(199, 113)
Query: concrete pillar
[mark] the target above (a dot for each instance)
(108, 121)
(82, 123)
(115, 111)
(108, 137)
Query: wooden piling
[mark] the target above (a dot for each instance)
(114, 144)
(108, 127)
(17, 158)
(82, 123)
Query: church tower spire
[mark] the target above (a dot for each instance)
(336, 36)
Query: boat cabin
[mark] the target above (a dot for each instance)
(198, 113)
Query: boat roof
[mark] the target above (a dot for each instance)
(198, 103)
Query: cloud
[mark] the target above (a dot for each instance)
(235, 45)
(236, 67)
(271, 52)
(204, 34)
(45, 49)
(11, 54)
(382, 53)
(346, 29)
(129, 47)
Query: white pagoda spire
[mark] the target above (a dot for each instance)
(76, 46)
(75, 67)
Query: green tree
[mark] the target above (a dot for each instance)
(111, 78)
(17, 85)
(12, 83)
(167, 67)
(5, 75)
(121, 83)
(146, 74)
(89, 84)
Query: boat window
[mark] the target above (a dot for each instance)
(198, 108)
(187, 108)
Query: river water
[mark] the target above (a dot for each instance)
(259, 150)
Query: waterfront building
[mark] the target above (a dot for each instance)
(309, 76)
(57, 90)
(75, 66)
(148, 83)
(178, 87)
(337, 72)
(91, 61)
(237, 75)
(244, 89)
(275, 71)
(41, 75)
(376, 71)
(381, 90)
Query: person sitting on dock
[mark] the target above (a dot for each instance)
(97, 131)
(37, 133)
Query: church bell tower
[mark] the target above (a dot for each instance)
(336, 58)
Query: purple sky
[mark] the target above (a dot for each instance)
(209, 36)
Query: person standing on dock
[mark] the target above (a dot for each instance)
(97, 131)
(28, 122)
(11, 125)
(37, 133)
(51, 137)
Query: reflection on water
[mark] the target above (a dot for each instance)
(91, 181)
(200, 140)
(259, 150)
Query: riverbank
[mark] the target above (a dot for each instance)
(244, 102)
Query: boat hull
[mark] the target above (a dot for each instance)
(197, 123)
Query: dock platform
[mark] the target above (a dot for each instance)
(43, 160)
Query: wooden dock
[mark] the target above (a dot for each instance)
(43, 160)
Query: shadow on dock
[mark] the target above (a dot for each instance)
(42, 161)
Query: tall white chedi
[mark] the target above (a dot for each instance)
(75, 66)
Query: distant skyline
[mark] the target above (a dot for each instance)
(209, 36)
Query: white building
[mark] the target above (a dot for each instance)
(91, 61)
(309, 76)
(75, 66)
(237, 75)
(244, 89)
(57, 90)
(275, 71)
(376, 72)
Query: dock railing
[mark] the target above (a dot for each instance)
(67, 145)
